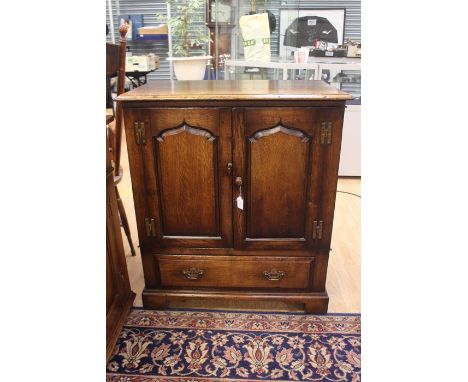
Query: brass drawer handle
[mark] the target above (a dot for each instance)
(274, 275)
(193, 273)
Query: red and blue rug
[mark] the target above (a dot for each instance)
(202, 346)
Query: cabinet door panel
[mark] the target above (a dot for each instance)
(285, 169)
(277, 187)
(188, 168)
(188, 192)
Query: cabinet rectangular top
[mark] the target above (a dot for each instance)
(234, 90)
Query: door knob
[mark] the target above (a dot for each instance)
(229, 168)
(238, 181)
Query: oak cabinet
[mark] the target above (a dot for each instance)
(234, 185)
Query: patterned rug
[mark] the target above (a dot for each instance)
(202, 346)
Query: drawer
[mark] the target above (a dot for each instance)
(235, 272)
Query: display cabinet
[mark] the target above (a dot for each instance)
(343, 74)
(278, 70)
(298, 37)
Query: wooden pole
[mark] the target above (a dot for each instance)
(120, 89)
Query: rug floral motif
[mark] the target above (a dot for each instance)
(202, 346)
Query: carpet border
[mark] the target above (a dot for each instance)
(246, 311)
(194, 378)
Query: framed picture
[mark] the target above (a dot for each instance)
(303, 27)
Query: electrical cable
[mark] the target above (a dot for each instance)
(350, 193)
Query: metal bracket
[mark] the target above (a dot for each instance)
(317, 229)
(326, 133)
(150, 230)
(140, 133)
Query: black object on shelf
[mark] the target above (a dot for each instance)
(327, 53)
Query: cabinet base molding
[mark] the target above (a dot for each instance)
(314, 302)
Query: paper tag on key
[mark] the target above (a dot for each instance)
(240, 202)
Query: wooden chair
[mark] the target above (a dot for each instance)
(115, 64)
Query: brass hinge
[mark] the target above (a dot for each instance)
(317, 230)
(326, 133)
(140, 133)
(150, 231)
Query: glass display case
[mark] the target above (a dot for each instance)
(304, 40)
(343, 74)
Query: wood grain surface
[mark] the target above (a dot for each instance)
(234, 90)
(235, 272)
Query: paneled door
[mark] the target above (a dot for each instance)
(280, 159)
(187, 161)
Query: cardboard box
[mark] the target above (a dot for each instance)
(157, 29)
(143, 63)
(137, 64)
